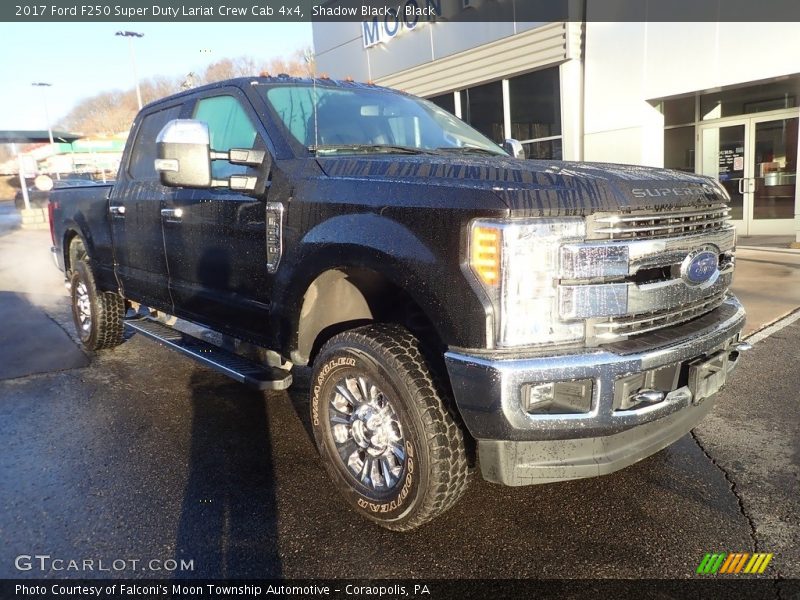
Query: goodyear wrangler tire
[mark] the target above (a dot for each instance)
(98, 316)
(385, 429)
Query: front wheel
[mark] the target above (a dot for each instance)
(98, 315)
(385, 429)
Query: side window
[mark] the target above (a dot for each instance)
(229, 127)
(143, 154)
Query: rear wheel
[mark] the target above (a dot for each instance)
(384, 428)
(98, 316)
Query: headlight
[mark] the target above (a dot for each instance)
(517, 263)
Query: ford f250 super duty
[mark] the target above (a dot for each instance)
(457, 304)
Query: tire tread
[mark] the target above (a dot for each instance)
(449, 469)
(109, 313)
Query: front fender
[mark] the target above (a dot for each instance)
(428, 272)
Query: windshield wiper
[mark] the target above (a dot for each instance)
(366, 148)
(468, 150)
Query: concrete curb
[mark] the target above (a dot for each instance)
(773, 327)
(770, 249)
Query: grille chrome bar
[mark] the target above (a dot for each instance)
(628, 299)
(587, 260)
(635, 217)
(598, 275)
(617, 328)
(671, 228)
(653, 225)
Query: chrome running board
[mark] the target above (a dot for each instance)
(245, 371)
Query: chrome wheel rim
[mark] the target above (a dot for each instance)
(367, 433)
(83, 306)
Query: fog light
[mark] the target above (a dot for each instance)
(558, 397)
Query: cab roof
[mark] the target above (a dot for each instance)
(282, 79)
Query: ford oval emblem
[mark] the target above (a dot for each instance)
(699, 266)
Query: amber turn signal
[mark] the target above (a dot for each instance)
(485, 254)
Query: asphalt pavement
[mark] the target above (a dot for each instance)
(144, 455)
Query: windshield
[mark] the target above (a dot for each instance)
(371, 121)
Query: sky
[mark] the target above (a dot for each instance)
(83, 59)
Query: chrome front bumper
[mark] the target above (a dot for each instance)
(517, 448)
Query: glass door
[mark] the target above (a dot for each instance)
(723, 155)
(755, 159)
(774, 177)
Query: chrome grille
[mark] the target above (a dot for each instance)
(614, 329)
(644, 225)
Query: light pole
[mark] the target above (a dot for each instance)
(43, 84)
(130, 35)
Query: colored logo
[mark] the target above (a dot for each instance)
(723, 563)
(699, 266)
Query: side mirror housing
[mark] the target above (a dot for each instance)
(514, 148)
(184, 154)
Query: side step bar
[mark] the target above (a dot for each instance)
(245, 371)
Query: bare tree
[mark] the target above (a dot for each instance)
(113, 111)
(105, 113)
(299, 64)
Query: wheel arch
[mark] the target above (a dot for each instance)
(346, 297)
(330, 282)
(72, 235)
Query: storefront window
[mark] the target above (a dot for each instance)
(751, 99)
(548, 150)
(535, 105)
(482, 107)
(445, 101)
(679, 148)
(678, 111)
(535, 101)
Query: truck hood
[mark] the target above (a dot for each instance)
(539, 188)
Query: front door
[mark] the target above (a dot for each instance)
(216, 239)
(755, 159)
(135, 216)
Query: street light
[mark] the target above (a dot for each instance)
(43, 84)
(130, 35)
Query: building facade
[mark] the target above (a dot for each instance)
(717, 98)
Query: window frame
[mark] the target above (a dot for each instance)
(249, 117)
(137, 132)
(256, 117)
(259, 142)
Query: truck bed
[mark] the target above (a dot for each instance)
(81, 206)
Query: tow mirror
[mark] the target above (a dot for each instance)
(184, 154)
(184, 158)
(514, 148)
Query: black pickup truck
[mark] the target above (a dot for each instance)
(458, 305)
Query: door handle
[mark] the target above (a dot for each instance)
(747, 185)
(172, 213)
(117, 210)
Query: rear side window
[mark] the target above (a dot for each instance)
(143, 154)
(229, 127)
